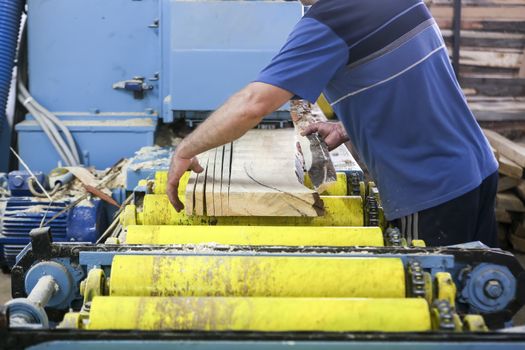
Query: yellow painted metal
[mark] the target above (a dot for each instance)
(72, 320)
(128, 216)
(337, 188)
(418, 243)
(259, 314)
(474, 323)
(256, 235)
(446, 288)
(93, 285)
(325, 106)
(161, 181)
(276, 276)
(339, 211)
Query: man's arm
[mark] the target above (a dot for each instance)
(242, 112)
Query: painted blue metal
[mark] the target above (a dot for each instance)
(268, 345)
(83, 223)
(79, 49)
(102, 142)
(18, 182)
(65, 282)
(489, 288)
(146, 162)
(217, 47)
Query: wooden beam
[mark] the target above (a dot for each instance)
(506, 183)
(506, 147)
(508, 168)
(509, 202)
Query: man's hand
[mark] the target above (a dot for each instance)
(333, 134)
(177, 168)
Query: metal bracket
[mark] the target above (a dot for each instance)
(41, 240)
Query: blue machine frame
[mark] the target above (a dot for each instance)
(112, 69)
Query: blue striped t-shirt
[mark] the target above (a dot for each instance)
(384, 68)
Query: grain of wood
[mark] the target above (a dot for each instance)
(506, 183)
(506, 147)
(520, 190)
(503, 216)
(263, 180)
(225, 179)
(210, 182)
(508, 168)
(509, 202)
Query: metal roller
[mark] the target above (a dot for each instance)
(256, 235)
(339, 211)
(275, 276)
(259, 314)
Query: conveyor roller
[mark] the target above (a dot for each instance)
(259, 314)
(256, 235)
(276, 276)
(339, 211)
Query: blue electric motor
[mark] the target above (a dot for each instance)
(21, 212)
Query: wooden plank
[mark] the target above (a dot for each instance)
(500, 58)
(508, 168)
(485, 13)
(509, 202)
(506, 147)
(521, 72)
(263, 180)
(506, 183)
(520, 190)
(503, 216)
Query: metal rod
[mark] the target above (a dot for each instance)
(43, 291)
(456, 36)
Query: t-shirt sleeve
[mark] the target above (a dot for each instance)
(307, 62)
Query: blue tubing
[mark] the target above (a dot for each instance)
(10, 16)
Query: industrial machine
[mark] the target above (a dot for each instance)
(99, 80)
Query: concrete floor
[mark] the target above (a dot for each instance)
(5, 292)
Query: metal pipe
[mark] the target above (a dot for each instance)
(456, 36)
(44, 290)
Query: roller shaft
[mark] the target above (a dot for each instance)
(276, 276)
(256, 235)
(259, 314)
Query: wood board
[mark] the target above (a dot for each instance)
(253, 176)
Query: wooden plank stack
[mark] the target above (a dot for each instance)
(492, 54)
(510, 208)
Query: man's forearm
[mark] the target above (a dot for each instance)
(242, 112)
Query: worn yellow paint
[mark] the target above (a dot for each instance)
(276, 276)
(339, 211)
(256, 235)
(446, 288)
(259, 314)
(325, 107)
(161, 181)
(337, 188)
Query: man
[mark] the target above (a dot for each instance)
(384, 68)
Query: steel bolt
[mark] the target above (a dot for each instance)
(493, 289)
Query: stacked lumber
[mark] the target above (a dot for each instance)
(253, 176)
(492, 59)
(510, 208)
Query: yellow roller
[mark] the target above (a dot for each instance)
(259, 314)
(336, 188)
(275, 276)
(256, 235)
(339, 211)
